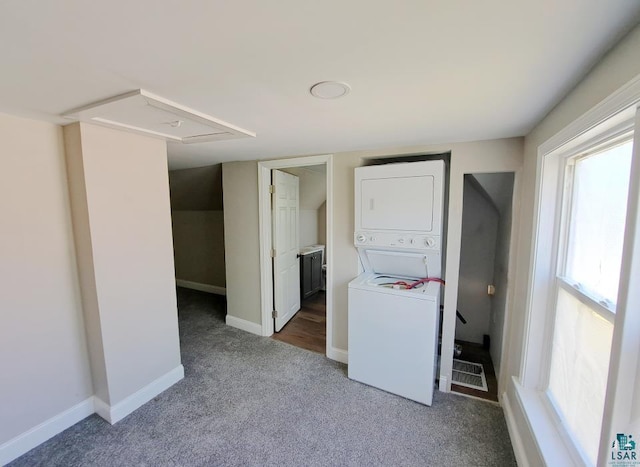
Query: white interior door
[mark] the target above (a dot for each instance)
(286, 266)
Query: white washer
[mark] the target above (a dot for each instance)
(393, 331)
(393, 334)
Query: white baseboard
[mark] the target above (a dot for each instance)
(115, 413)
(102, 408)
(243, 324)
(28, 440)
(514, 434)
(443, 384)
(201, 287)
(338, 355)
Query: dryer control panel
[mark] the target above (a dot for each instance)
(400, 240)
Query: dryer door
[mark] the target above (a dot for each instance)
(398, 203)
(400, 197)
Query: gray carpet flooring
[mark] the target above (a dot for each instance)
(249, 400)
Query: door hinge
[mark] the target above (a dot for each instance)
(273, 252)
(272, 189)
(274, 314)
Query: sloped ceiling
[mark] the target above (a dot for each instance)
(312, 185)
(196, 189)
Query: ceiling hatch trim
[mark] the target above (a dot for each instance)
(142, 112)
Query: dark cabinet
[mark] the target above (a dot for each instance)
(310, 273)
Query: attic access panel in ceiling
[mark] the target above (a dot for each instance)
(142, 112)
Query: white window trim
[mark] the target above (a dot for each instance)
(611, 137)
(601, 307)
(615, 112)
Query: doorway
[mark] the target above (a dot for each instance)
(482, 284)
(307, 327)
(319, 302)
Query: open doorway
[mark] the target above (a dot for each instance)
(312, 236)
(306, 327)
(482, 285)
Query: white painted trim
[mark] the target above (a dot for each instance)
(480, 399)
(243, 324)
(115, 413)
(91, 114)
(512, 267)
(264, 226)
(458, 169)
(550, 439)
(214, 289)
(514, 433)
(37, 435)
(102, 408)
(627, 95)
(264, 205)
(338, 355)
(623, 383)
(329, 260)
(538, 323)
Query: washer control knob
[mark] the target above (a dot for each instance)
(361, 238)
(430, 242)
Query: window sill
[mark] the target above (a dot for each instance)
(549, 440)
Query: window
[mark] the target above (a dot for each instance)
(578, 385)
(590, 244)
(598, 187)
(596, 184)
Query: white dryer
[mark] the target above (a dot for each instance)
(394, 306)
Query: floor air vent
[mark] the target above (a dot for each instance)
(468, 374)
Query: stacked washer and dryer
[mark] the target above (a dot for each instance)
(394, 305)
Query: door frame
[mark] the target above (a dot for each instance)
(460, 168)
(264, 220)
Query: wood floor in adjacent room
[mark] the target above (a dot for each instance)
(307, 329)
(475, 353)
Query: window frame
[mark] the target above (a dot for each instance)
(609, 139)
(616, 136)
(565, 209)
(617, 114)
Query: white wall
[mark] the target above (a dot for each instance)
(120, 203)
(477, 258)
(500, 300)
(241, 207)
(499, 187)
(322, 225)
(308, 227)
(241, 233)
(618, 67)
(468, 157)
(43, 353)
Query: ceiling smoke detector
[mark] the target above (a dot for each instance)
(329, 89)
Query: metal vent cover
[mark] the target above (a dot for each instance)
(145, 113)
(468, 374)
